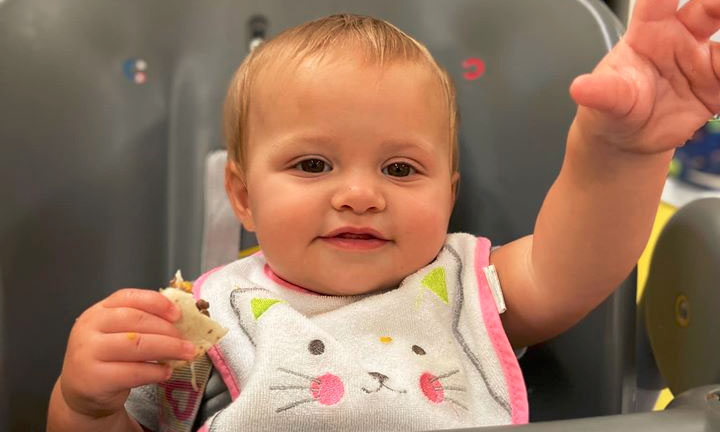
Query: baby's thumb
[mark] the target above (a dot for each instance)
(605, 92)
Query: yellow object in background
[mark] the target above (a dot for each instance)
(249, 251)
(665, 212)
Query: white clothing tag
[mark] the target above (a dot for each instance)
(494, 282)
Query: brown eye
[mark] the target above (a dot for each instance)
(313, 166)
(418, 350)
(316, 347)
(398, 169)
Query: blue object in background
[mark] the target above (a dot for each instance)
(698, 162)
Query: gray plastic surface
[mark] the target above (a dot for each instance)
(685, 270)
(697, 410)
(103, 177)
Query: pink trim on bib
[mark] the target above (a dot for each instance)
(214, 353)
(510, 367)
(197, 286)
(225, 372)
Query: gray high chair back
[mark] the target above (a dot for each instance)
(110, 109)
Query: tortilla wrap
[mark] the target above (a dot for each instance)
(194, 326)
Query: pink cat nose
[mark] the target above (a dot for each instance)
(327, 389)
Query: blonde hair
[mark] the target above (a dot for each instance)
(380, 42)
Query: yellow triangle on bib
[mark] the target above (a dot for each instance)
(435, 282)
(260, 305)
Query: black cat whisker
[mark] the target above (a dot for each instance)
(462, 389)
(453, 401)
(288, 387)
(451, 373)
(298, 374)
(294, 404)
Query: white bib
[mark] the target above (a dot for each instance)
(430, 354)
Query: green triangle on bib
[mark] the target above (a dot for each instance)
(435, 282)
(260, 305)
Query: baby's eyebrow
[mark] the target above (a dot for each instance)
(401, 145)
(393, 145)
(301, 139)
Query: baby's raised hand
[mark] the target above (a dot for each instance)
(114, 346)
(659, 84)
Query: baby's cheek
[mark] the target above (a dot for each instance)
(424, 233)
(428, 213)
(283, 223)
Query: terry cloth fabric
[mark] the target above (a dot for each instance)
(430, 354)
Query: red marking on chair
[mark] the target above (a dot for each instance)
(474, 68)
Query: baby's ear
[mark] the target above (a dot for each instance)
(455, 186)
(238, 194)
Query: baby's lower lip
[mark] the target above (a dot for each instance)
(355, 243)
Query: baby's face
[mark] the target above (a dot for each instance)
(348, 180)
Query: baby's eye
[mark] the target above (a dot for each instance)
(313, 166)
(398, 169)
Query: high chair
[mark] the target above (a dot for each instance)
(111, 111)
(514, 122)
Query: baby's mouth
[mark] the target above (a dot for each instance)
(356, 236)
(355, 239)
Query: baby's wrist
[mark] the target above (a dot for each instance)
(83, 407)
(602, 151)
(65, 414)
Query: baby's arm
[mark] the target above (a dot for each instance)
(111, 349)
(645, 98)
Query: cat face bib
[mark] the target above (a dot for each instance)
(429, 354)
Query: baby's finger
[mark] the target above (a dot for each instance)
(125, 319)
(134, 347)
(701, 17)
(606, 92)
(122, 376)
(146, 300)
(715, 58)
(653, 10)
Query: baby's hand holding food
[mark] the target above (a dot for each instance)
(124, 341)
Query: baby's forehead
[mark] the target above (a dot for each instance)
(282, 73)
(343, 85)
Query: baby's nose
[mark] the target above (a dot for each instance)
(359, 198)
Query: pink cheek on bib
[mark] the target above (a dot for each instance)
(327, 389)
(431, 387)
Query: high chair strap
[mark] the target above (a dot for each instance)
(180, 397)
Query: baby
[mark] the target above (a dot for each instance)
(361, 312)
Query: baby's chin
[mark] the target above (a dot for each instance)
(352, 287)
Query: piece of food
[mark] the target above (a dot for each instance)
(180, 283)
(195, 323)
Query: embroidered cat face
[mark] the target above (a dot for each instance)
(317, 363)
(327, 388)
